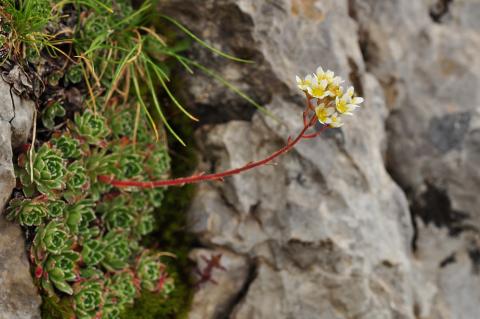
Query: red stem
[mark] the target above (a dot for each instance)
(215, 176)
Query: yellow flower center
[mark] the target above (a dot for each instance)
(318, 91)
(322, 114)
(336, 90)
(305, 83)
(342, 106)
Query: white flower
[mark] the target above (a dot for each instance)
(347, 103)
(335, 120)
(357, 101)
(329, 76)
(333, 81)
(322, 75)
(337, 81)
(304, 84)
(326, 92)
(318, 89)
(324, 113)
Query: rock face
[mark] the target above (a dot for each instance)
(18, 294)
(378, 219)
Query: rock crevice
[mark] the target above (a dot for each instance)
(18, 297)
(333, 230)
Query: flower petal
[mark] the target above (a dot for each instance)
(358, 100)
(350, 91)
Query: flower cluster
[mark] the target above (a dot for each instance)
(326, 94)
(87, 241)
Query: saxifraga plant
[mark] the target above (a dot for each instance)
(29, 212)
(58, 270)
(88, 299)
(85, 237)
(42, 171)
(87, 250)
(52, 238)
(325, 98)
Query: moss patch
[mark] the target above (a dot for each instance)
(171, 234)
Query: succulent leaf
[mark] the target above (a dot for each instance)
(45, 171)
(151, 272)
(60, 269)
(79, 215)
(91, 127)
(117, 251)
(50, 113)
(69, 146)
(30, 212)
(92, 252)
(88, 299)
(77, 181)
(52, 238)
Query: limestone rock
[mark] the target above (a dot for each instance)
(221, 283)
(18, 295)
(327, 229)
(434, 142)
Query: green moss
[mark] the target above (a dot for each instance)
(171, 235)
(155, 306)
(55, 308)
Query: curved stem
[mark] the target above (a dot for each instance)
(216, 176)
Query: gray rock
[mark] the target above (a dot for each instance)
(222, 283)
(19, 298)
(327, 229)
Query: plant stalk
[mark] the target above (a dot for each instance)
(218, 176)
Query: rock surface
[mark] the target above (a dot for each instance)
(214, 283)
(328, 232)
(18, 295)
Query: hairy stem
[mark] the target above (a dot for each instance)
(218, 176)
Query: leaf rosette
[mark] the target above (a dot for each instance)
(74, 74)
(30, 212)
(88, 299)
(70, 147)
(55, 208)
(117, 214)
(45, 171)
(59, 270)
(117, 251)
(157, 162)
(121, 289)
(79, 215)
(77, 181)
(131, 164)
(92, 252)
(50, 113)
(150, 271)
(111, 312)
(52, 238)
(91, 127)
(145, 224)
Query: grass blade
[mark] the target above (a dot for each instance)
(230, 86)
(172, 97)
(142, 103)
(203, 43)
(159, 109)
